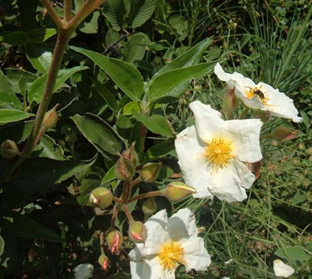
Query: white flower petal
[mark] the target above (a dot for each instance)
(247, 178)
(208, 121)
(193, 165)
(281, 269)
(278, 103)
(181, 225)
(156, 227)
(83, 271)
(226, 184)
(149, 269)
(235, 80)
(245, 135)
(195, 254)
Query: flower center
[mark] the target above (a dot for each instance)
(218, 152)
(171, 255)
(256, 92)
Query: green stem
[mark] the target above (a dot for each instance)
(68, 15)
(147, 195)
(126, 192)
(127, 212)
(57, 20)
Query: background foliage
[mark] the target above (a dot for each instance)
(47, 227)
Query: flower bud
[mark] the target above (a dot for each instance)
(150, 172)
(50, 118)
(284, 133)
(124, 169)
(176, 191)
(131, 155)
(137, 232)
(104, 262)
(114, 241)
(101, 197)
(149, 207)
(9, 149)
(230, 103)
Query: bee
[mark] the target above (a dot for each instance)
(259, 93)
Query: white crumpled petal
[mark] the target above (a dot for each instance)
(195, 254)
(229, 184)
(149, 269)
(276, 102)
(181, 225)
(281, 269)
(83, 271)
(192, 164)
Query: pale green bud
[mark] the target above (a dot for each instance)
(101, 197)
(125, 169)
(114, 241)
(176, 191)
(9, 149)
(104, 262)
(149, 207)
(137, 232)
(150, 172)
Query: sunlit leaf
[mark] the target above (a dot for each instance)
(126, 76)
(158, 124)
(98, 133)
(12, 115)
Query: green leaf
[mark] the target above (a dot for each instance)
(293, 254)
(24, 226)
(12, 115)
(5, 84)
(27, 11)
(2, 244)
(36, 89)
(126, 77)
(180, 26)
(48, 148)
(98, 133)
(14, 38)
(165, 82)
(114, 11)
(188, 58)
(135, 48)
(141, 11)
(109, 176)
(16, 131)
(90, 24)
(39, 56)
(160, 150)
(10, 99)
(18, 77)
(156, 123)
(40, 35)
(40, 174)
(104, 91)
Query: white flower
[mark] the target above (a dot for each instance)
(259, 96)
(212, 155)
(169, 243)
(83, 271)
(281, 269)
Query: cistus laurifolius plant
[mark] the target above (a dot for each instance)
(94, 169)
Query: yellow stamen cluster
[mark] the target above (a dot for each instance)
(219, 152)
(256, 92)
(171, 255)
